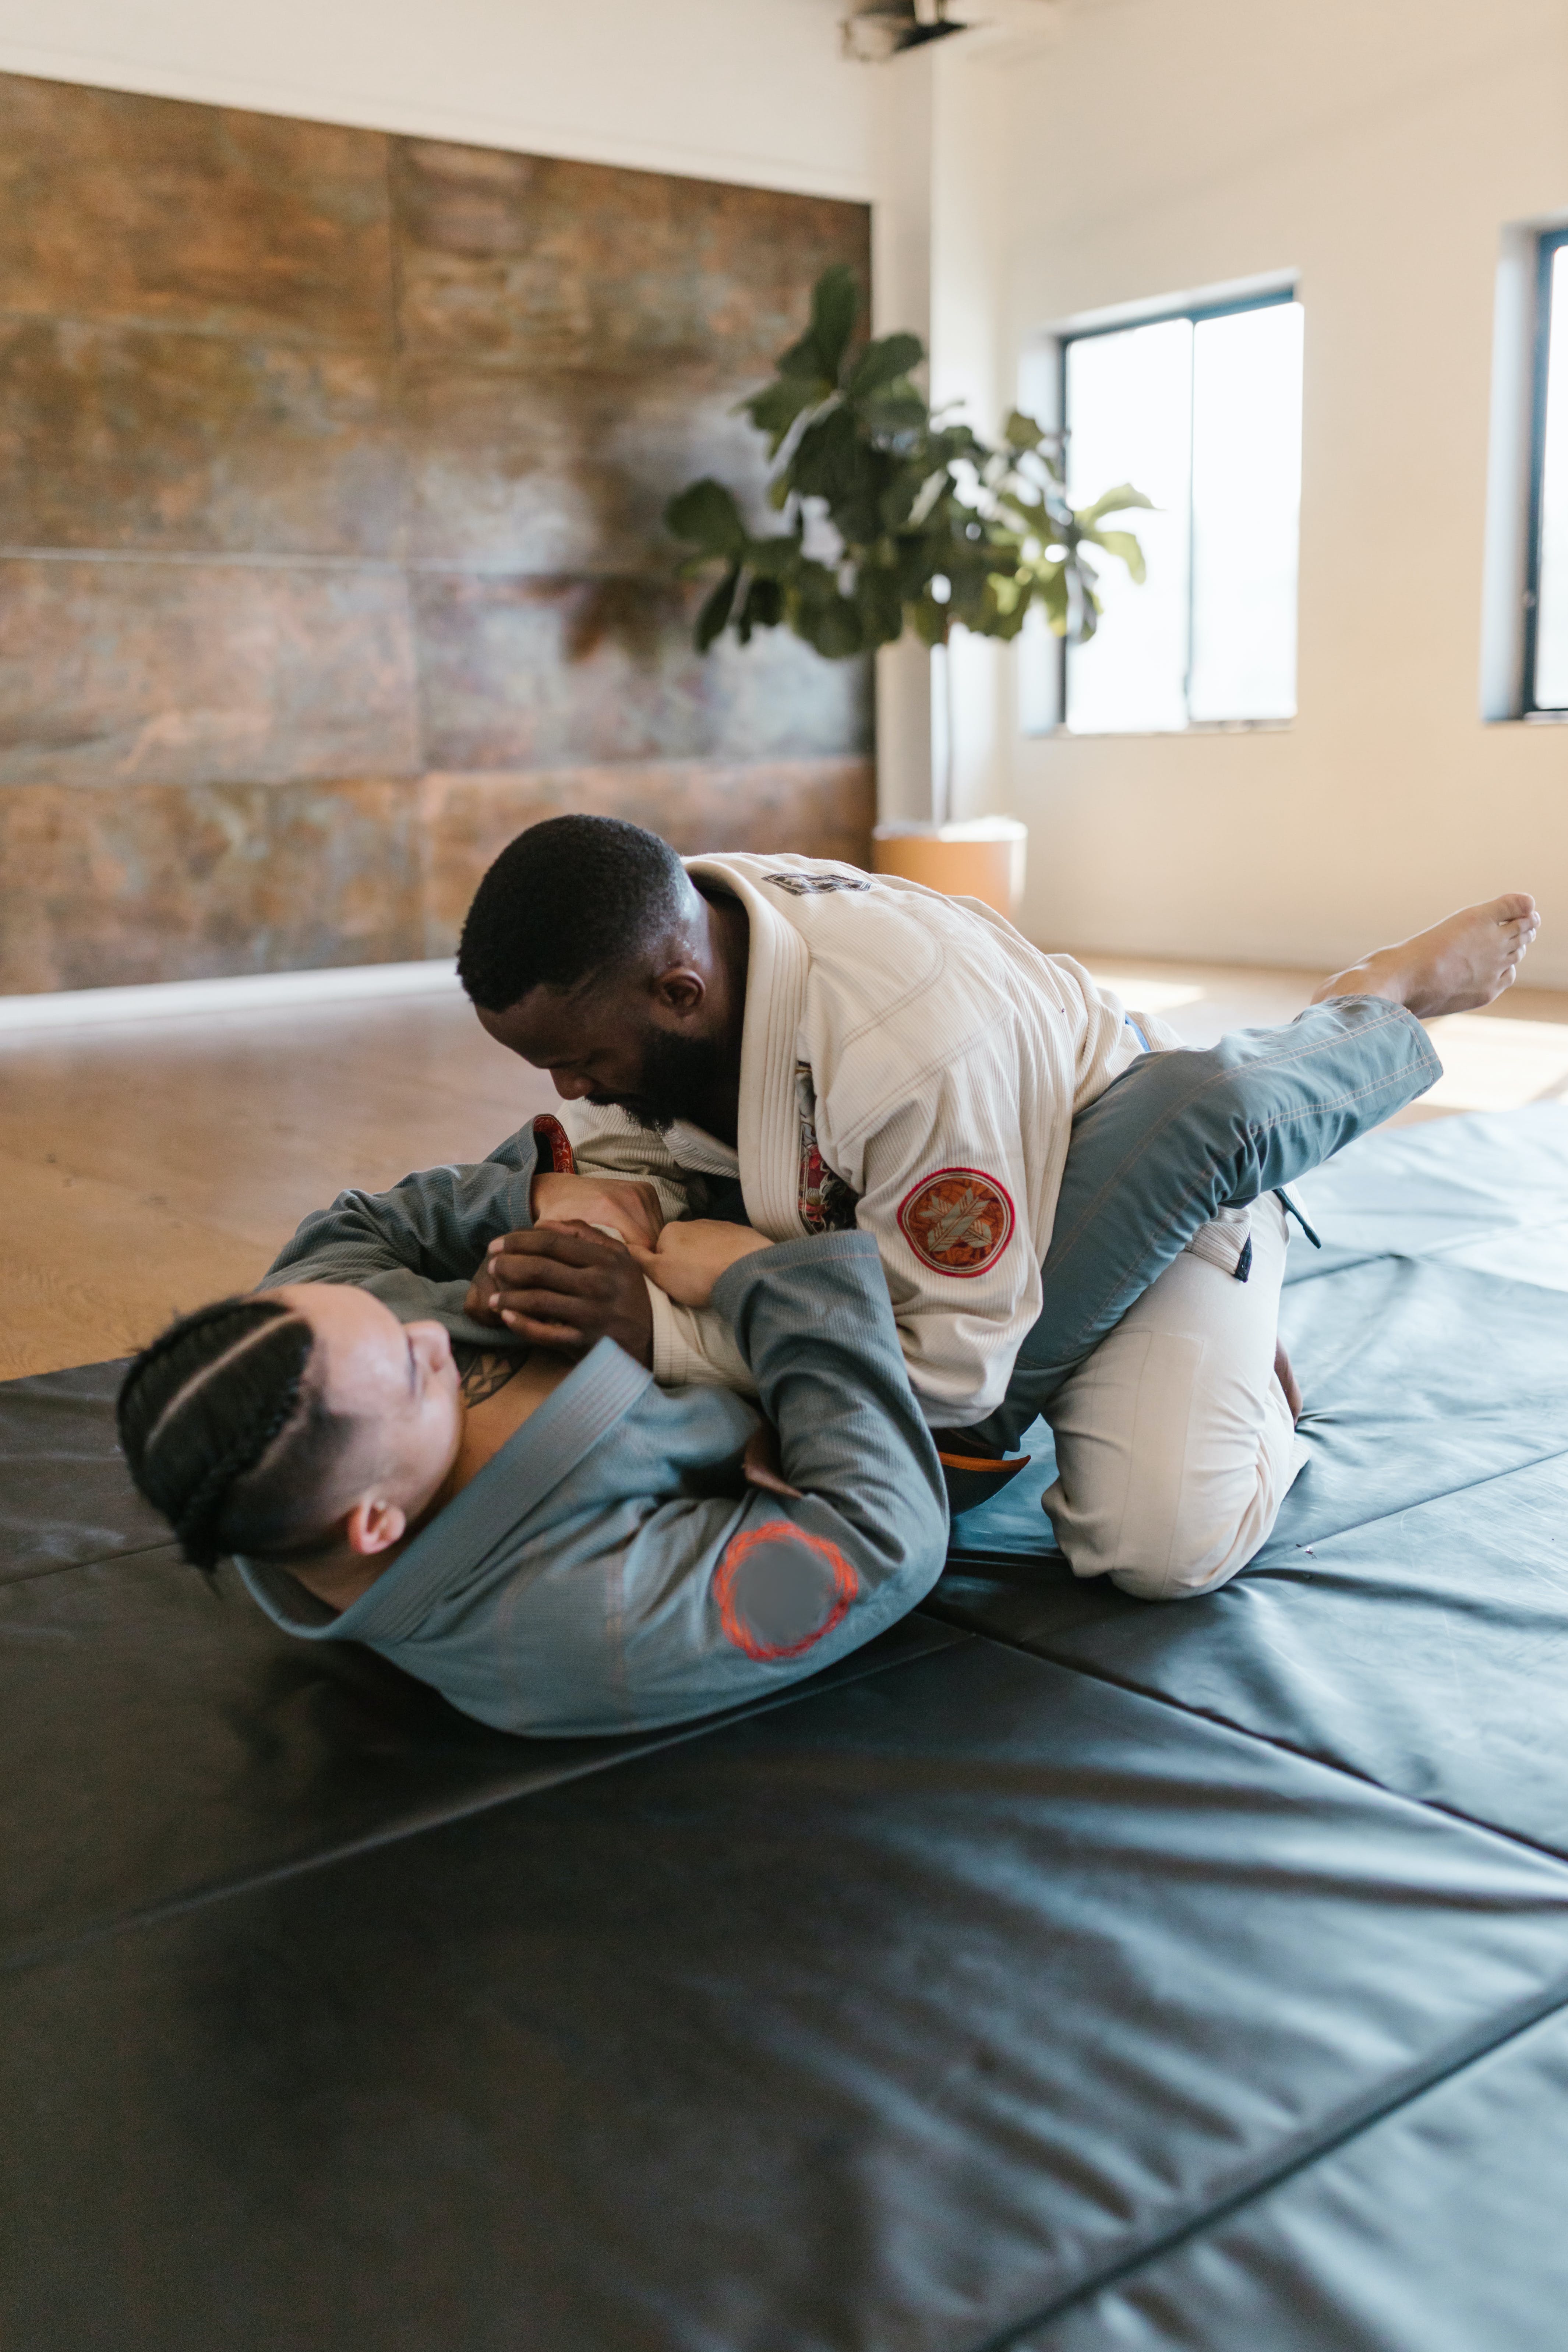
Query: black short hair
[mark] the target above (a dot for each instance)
(574, 895)
(226, 1432)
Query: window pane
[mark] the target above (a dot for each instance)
(1247, 497)
(1129, 406)
(1551, 613)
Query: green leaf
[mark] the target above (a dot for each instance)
(774, 409)
(772, 558)
(1053, 596)
(706, 515)
(762, 609)
(896, 410)
(1009, 620)
(1125, 544)
(715, 610)
(1022, 430)
(1112, 502)
(882, 363)
(835, 306)
(931, 621)
(1090, 610)
(879, 603)
(898, 500)
(833, 462)
(833, 629)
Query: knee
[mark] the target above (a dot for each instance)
(1174, 1527)
(1224, 1092)
(1186, 1576)
(1184, 1558)
(1202, 1104)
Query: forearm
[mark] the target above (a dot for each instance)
(435, 1227)
(812, 1320)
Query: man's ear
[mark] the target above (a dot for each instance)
(680, 988)
(371, 1527)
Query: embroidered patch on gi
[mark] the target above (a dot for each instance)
(550, 1136)
(780, 1591)
(957, 1222)
(825, 1202)
(807, 886)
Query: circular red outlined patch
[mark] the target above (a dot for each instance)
(957, 1222)
(780, 1591)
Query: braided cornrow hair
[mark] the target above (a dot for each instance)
(201, 1408)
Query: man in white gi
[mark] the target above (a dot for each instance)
(805, 1047)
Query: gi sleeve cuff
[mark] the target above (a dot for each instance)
(694, 1348)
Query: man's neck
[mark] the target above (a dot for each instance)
(730, 934)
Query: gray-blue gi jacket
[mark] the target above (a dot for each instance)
(609, 1568)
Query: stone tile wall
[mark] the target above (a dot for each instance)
(331, 474)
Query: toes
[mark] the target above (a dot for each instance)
(1515, 906)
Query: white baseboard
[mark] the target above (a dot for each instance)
(91, 1008)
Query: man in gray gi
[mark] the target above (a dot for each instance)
(558, 1547)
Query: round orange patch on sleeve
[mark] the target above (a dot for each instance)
(781, 1591)
(957, 1222)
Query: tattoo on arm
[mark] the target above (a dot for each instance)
(485, 1370)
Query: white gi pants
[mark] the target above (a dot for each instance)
(1175, 1442)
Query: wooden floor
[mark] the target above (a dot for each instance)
(148, 1167)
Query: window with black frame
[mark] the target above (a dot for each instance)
(1546, 596)
(1201, 409)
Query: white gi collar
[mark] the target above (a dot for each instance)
(777, 975)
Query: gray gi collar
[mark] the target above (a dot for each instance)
(491, 1507)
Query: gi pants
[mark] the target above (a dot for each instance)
(1154, 1365)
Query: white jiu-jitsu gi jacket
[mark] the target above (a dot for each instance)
(910, 1065)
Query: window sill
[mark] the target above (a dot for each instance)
(1164, 734)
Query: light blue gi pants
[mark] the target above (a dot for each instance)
(1179, 1137)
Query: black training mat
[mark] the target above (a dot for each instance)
(1060, 1972)
(163, 1742)
(1408, 1620)
(1426, 2230)
(894, 2015)
(64, 1494)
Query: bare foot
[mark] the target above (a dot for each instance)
(1456, 966)
(1288, 1380)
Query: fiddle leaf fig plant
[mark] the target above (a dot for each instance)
(893, 516)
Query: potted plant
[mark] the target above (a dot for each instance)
(894, 520)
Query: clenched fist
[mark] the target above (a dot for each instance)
(565, 1286)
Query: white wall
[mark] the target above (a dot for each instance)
(753, 90)
(1380, 151)
(941, 270)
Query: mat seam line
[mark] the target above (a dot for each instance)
(1512, 1839)
(1410, 2084)
(982, 1557)
(25, 1958)
(99, 1560)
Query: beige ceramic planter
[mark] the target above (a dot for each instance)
(983, 859)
